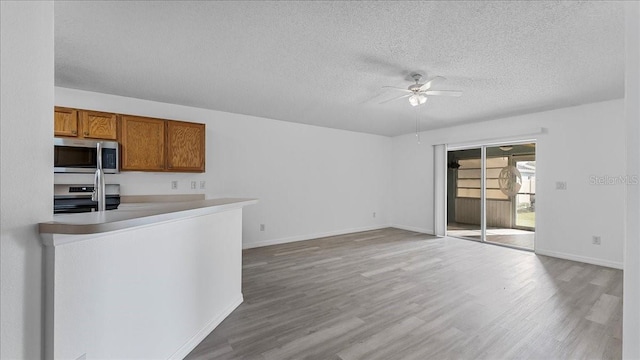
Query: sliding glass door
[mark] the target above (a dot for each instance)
(525, 204)
(491, 194)
(464, 190)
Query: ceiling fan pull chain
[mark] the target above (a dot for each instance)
(417, 126)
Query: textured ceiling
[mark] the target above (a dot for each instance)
(324, 63)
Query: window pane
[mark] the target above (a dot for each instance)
(497, 162)
(469, 174)
(469, 163)
(463, 193)
(493, 184)
(493, 173)
(469, 183)
(495, 194)
(533, 184)
(472, 193)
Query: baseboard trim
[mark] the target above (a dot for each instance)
(311, 236)
(413, 228)
(200, 335)
(584, 259)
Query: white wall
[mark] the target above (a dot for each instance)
(311, 181)
(26, 52)
(412, 184)
(579, 142)
(152, 292)
(631, 310)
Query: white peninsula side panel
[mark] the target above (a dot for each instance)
(149, 292)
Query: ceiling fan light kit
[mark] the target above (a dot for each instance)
(418, 93)
(416, 100)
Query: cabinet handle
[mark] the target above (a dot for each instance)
(86, 133)
(74, 132)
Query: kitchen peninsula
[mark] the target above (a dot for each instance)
(141, 282)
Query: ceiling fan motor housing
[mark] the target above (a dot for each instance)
(416, 87)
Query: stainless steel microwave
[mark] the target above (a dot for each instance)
(80, 156)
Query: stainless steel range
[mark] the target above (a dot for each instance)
(68, 198)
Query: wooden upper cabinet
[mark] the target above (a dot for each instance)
(142, 143)
(84, 124)
(146, 144)
(65, 122)
(98, 125)
(185, 146)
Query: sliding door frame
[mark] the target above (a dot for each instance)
(442, 208)
(514, 160)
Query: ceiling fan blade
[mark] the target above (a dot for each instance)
(395, 98)
(428, 84)
(444, 92)
(397, 88)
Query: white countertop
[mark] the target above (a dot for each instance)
(133, 215)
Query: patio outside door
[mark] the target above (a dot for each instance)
(525, 204)
(491, 194)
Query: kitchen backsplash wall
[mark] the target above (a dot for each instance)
(140, 183)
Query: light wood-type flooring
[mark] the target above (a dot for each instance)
(395, 294)
(523, 239)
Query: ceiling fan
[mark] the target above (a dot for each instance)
(417, 93)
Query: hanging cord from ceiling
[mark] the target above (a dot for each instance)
(417, 124)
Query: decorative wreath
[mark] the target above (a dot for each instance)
(510, 180)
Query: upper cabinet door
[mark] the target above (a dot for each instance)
(185, 146)
(98, 125)
(142, 143)
(65, 122)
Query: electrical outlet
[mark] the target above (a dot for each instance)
(596, 240)
(561, 185)
(193, 185)
(202, 184)
(174, 185)
(261, 227)
(374, 214)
